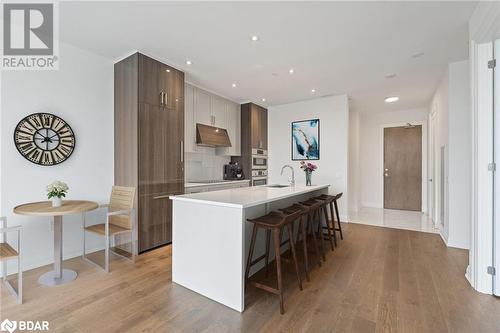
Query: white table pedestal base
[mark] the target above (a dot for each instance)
(50, 279)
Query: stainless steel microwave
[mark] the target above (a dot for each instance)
(259, 159)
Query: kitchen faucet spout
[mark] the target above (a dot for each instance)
(291, 180)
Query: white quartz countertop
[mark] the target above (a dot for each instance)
(222, 182)
(247, 196)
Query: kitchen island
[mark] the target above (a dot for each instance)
(210, 236)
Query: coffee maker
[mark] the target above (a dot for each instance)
(233, 171)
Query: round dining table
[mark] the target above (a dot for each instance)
(59, 275)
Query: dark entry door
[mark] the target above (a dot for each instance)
(403, 168)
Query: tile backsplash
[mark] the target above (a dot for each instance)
(204, 164)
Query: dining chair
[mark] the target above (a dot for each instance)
(7, 252)
(120, 220)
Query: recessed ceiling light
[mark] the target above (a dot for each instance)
(391, 99)
(234, 85)
(291, 71)
(263, 100)
(188, 62)
(255, 38)
(418, 55)
(390, 76)
(313, 90)
(168, 70)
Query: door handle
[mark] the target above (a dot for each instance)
(161, 97)
(165, 98)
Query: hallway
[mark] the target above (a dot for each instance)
(391, 218)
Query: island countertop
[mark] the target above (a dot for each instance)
(247, 196)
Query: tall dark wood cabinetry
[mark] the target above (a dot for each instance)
(253, 134)
(149, 134)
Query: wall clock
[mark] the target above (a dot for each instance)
(44, 139)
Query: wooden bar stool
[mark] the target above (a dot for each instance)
(337, 197)
(314, 210)
(334, 205)
(324, 209)
(328, 200)
(301, 231)
(274, 222)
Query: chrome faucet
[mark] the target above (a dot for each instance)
(292, 179)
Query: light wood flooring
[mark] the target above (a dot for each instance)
(377, 280)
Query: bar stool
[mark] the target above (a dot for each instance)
(328, 201)
(314, 210)
(337, 197)
(274, 222)
(334, 205)
(324, 209)
(301, 231)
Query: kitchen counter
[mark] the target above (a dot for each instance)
(211, 237)
(248, 196)
(222, 182)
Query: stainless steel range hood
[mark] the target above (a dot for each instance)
(212, 136)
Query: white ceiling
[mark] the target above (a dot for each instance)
(334, 47)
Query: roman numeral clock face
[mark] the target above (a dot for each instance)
(44, 139)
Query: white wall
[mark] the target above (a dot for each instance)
(459, 156)
(81, 92)
(439, 116)
(371, 152)
(334, 125)
(354, 183)
(451, 105)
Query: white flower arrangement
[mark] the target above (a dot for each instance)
(57, 189)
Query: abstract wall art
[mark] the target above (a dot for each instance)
(305, 140)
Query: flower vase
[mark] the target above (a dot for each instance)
(308, 178)
(56, 202)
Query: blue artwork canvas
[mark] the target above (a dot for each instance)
(305, 140)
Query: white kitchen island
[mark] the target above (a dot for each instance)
(210, 237)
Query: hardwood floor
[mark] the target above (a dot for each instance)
(378, 280)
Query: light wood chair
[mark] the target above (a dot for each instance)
(7, 252)
(120, 220)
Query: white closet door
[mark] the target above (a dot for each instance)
(496, 103)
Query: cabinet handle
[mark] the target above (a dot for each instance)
(161, 98)
(182, 151)
(165, 98)
(165, 196)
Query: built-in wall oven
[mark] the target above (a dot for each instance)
(259, 177)
(259, 159)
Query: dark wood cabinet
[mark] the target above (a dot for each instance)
(149, 134)
(257, 125)
(253, 134)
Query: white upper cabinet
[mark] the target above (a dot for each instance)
(206, 108)
(203, 107)
(219, 112)
(233, 116)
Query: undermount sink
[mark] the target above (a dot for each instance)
(278, 186)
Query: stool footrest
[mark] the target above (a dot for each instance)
(266, 288)
(257, 260)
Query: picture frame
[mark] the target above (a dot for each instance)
(305, 140)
